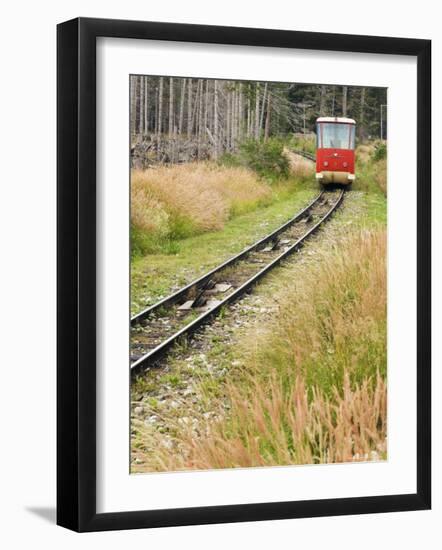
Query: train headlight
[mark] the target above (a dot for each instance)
(345, 164)
(325, 163)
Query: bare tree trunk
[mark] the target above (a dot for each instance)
(267, 127)
(183, 93)
(137, 110)
(257, 112)
(361, 121)
(206, 107)
(261, 121)
(189, 108)
(215, 118)
(146, 105)
(133, 105)
(344, 100)
(156, 113)
(228, 122)
(237, 117)
(170, 108)
(160, 117)
(248, 117)
(141, 105)
(322, 100)
(200, 115)
(194, 122)
(240, 113)
(235, 120)
(160, 107)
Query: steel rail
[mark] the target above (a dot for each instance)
(308, 156)
(159, 351)
(181, 293)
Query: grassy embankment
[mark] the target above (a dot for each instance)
(188, 218)
(371, 167)
(311, 386)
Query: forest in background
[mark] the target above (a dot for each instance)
(175, 120)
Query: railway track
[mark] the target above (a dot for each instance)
(159, 327)
(308, 156)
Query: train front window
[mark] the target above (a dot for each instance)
(336, 135)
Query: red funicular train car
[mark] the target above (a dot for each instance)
(335, 150)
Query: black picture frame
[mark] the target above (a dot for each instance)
(76, 274)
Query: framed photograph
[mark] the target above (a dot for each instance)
(243, 274)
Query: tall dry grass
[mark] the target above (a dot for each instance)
(281, 426)
(380, 175)
(178, 201)
(313, 389)
(299, 166)
(364, 152)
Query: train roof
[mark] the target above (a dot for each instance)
(342, 120)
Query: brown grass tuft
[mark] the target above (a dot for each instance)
(299, 165)
(278, 427)
(199, 194)
(364, 152)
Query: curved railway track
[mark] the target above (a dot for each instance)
(159, 327)
(305, 154)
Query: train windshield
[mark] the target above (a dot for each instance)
(332, 135)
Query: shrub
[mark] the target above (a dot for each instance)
(229, 160)
(380, 151)
(305, 143)
(266, 158)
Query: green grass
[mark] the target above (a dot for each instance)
(371, 169)
(172, 379)
(375, 210)
(365, 179)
